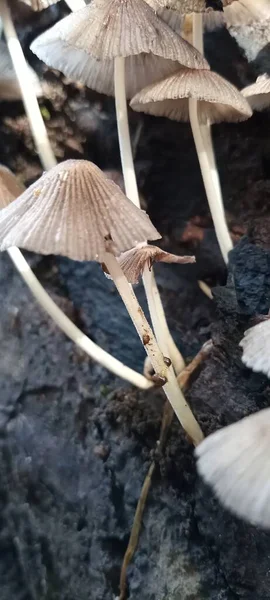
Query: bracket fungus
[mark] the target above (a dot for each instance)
(75, 211)
(216, 100)
(133, 262)
(10, 189)
(258, 93)
(234, 461)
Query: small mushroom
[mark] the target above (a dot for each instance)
(10, 189)
(73, 210)
(215, 100)
(134, 261)
(258, 93)
(256, 348)
(234, 461)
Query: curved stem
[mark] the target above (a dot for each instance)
(171, 388)
(206, 156)
(64, 323)
(28, 95)
(153, 298)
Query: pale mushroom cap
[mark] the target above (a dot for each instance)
(190, 6)
(75, 211)
(84, 44)
(10, 187)
(258, 93)
(9, 86)
(133, 261)
(256, 348)
(39, 4)
(235, 461)
(218, 99)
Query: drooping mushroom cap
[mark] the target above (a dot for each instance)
(9, 86)
(235, 461)
(133, 261)
(75, 211)
(39, 4)
(218, 99)
(258, 94)
(256, 348)
(10, 187)
(84, 44)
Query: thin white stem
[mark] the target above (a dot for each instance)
(206, 156)
(28, 94)
(171, 388)
(153, 298)
(64, 323)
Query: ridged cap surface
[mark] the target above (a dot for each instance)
(218, 99)
(258, 94)
(133, 261)
(74, 210)
(256, 348)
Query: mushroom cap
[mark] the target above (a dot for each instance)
(258, 93)
(84, 44)
(75, 211)
(235, 461)
(10, 187)
(9, 86)
(133, 261)
(190, 6)
(256, 348)
(39, 4)
(218, 99)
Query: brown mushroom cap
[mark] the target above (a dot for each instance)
(10, 187)
(9, 86)
(133, 261)
(218, 99)
(75, 211)
(258, 93)
(84, 44)
(39, 4)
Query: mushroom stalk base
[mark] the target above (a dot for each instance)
(156, 310)
(171, 388)
(28, 95)
(206, 156)
(64, 323)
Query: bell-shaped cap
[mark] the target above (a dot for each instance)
(218, 100)
(9, 86)
(84, 45)
(256, 348)
(258, 93)
(235, 462)
(39, 4)
(10, 187)
(133, 261)
(75, 211)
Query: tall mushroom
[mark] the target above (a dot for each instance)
(10, 189)
(218, 101)
(75, 211)
(235, 462)
(116, 48)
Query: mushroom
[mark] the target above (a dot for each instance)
(258, 93)
(10, 189)
(135, 261)
(9, 87)
(73, 210)
(234, 461)
(218, 100)
(256, 351)
(27, 91)
(118, 47)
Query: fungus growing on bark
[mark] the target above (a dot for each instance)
(234, 461)
(258, 93)
(75, 211)
(216, 100)
(135, 261)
